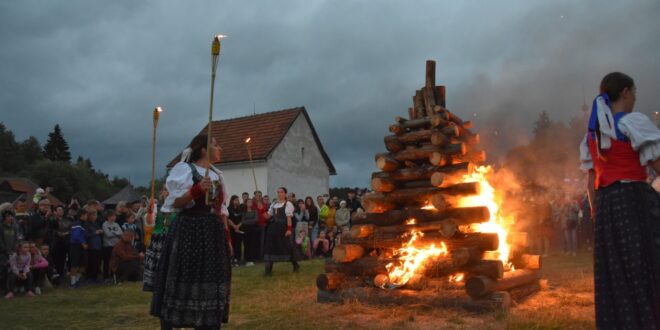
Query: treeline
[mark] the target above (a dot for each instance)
(52, 166)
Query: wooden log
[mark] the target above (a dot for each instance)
(425, 173)
(493, 269)
(400, 119)
(387, 164)
(450, 130)
(463, 215)
(521, 293)
(441, 95)
(446, 227)
(472, 156)
(468, 124)
(424, 122)
(381, 281)
(430, 74)
(423, 152)
(481, 286)
(389, 185)
(417, 197)
(434, 136)
(393, 144)
(411, 113)
(429, 99)
(367, 266)
(482, 241)
(329, 281)
(529, 261)
(347, 252)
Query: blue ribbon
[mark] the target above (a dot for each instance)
(593, 118)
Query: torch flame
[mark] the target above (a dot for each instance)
(413, 259)
(248, 140)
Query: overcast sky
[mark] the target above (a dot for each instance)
(98, 68)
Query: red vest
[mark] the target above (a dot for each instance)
(619, 162)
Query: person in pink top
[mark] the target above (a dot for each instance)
(19, 265)
(39, 268)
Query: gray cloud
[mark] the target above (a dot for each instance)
(98, 68)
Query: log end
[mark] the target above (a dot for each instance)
(438, 179)
(437, 159)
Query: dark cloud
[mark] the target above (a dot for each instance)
(99, 67)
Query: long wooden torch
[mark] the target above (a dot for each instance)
(215, 56)
(151, 210)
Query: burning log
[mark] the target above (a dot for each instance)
(329, 281)
(376, 202)
(347, 252)
(463, 215)
(472, 156)
(528, 261)
(480, 286)
(482, 241)
(447, 228)
(424, 173)
(367, 266)
(493, 269)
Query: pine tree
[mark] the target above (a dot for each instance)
(56, 149)
(542, 124)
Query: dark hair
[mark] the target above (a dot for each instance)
(109, 213)
(231, 200)
(614, 83)
(198, 143)
(300, 201)
(285, 191)
(5, 213)
(59, 207)
(245, 193)
(310, 199)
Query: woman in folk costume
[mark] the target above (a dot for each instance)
(164, 217)
(278, 243)
(616, 150)
(192, 284)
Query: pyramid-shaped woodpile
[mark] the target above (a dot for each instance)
(417, 188)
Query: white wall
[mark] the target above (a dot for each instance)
(304, 173)
(238, 177)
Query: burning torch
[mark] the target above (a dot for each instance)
(249, 150)
(150, 213)
(215, 56)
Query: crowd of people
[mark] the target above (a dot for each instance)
(45, 245)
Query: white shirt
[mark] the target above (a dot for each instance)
(643, 134)
(288, 210)
(180, 181)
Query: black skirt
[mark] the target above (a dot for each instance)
(151, 257)
(192, 283)
(277, 247)
(627, 257)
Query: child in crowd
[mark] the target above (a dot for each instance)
(332, 239)
(131, 225)
(78, 248)
(93, 236)
(321, 245)
(39, 268)
(302, 243)
(19, 273)
(111, 235)
(50, 270)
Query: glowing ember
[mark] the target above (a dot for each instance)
(411, 221)
(429, 207)
(458, 277)
(497, 223)
(413, 259)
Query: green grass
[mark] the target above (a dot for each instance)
(288, 301)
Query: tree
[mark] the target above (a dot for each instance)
(9, 151)
(542, 124)
(56, 148)
(31, 150)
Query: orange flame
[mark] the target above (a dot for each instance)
(497, 223)
(411, 221)
(456, 278)
(413, 259)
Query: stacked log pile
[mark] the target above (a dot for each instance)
(417, 188)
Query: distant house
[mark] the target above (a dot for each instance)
(127, 194)
(286, 152)
(11, 189)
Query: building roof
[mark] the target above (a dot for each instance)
(25, 186)
(127, 194)
(266, 131)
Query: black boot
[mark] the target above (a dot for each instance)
(269, 268)
(296, 266)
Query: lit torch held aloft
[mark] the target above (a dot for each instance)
(248, 145)
(215, 56)
(151, 210)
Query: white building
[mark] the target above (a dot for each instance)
(286, 152)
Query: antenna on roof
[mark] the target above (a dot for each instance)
(254, 108)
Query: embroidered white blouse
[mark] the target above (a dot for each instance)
(181, 179)
(288, 210)
(643, 134)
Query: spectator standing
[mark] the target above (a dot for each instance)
(571, 221)
(235, 218)
(122, 212)
(323, 213)
(343, 217)
(330, 220)
(38, 223)
(252, 235)
(313, 217)
(353, 203)
(131, 225)
(39, 267)
(112, 233)
(8, 240)
(93, 237)
(78, 249)
(262, 210)
(321, 245)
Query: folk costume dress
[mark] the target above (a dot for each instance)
(627, 225)
(164, 218)
(192, 283)
(277, 246)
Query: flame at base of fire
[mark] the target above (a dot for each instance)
(413, 259)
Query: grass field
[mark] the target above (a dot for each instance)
(288, 301)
